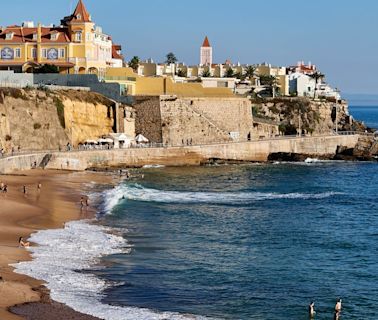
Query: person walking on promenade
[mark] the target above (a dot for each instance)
(24, 190)
(311, 310)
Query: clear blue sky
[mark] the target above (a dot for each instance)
(339, 36)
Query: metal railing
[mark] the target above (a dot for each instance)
(105, 148)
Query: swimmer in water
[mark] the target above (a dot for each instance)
(311, 309)
(22, 243)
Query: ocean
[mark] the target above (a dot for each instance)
(257, 241)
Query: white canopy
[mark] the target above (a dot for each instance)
(106, 140)
(141, 139)
(91, 141)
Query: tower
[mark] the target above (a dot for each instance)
(206, 56)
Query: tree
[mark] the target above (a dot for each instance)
(181, 73)
(316, 76)
(270, 81)
(206, 73)
(171, 58)
(134, 63)
(229, 73)
(47, 68)
(250, 72)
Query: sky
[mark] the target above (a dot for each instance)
(339, 36)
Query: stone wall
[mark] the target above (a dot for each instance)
(181, 156)
(148, 118)
(187, 121)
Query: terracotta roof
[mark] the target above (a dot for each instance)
(81, 14)
(115, 54)
(206, 42)
(21, 34)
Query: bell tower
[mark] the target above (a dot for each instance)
(206, 55)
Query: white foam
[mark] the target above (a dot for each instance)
(139, 193)
(63, 254)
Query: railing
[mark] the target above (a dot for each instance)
(106, 148)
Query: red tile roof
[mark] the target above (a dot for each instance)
(115, 54)
(81, 14)
(21, 34)
(206, 43)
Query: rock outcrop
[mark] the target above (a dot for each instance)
(303, 115)
(40, 119)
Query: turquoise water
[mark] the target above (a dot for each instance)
(248, 242)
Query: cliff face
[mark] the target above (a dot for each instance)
(38, 119)
(301, 114)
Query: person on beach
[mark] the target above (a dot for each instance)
(337, 309)
(5, 189)
(22, 243)
(2, 186)
(82, 202)
(311, 310)
(39, 186)
(24, 190)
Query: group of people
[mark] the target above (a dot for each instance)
(311, 309)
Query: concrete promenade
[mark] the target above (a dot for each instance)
(258, 150)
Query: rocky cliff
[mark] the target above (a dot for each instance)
(40, 119)
(295, 115)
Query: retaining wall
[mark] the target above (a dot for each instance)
(181, 156)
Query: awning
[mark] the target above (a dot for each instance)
(141, 139)
(106, 140)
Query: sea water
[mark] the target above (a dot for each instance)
(226, 242)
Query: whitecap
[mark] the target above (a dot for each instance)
(63, 258)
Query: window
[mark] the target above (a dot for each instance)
(9, 36)
(34, 53)
(54, 36)
(78, 16)
(62, 53)
(17, 53)
(44, 53)
(78, 36)
(35, 36)
(88, 36)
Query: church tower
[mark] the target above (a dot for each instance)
(206, 58)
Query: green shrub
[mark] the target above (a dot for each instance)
(8, 137)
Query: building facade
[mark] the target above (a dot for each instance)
(76, 46)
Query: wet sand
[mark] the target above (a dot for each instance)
(20, 215)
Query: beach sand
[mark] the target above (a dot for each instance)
(20, 215)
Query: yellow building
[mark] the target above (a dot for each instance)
(135, 85)
(75, 46)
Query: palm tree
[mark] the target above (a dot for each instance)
(250, 72)
(206, 73)
(229, 73)
(170, 58)
(316, 76)
(271, 81)
(134, 63)
(181, 73)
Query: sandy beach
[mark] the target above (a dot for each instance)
(21, 214)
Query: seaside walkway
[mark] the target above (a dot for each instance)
(254, 150)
